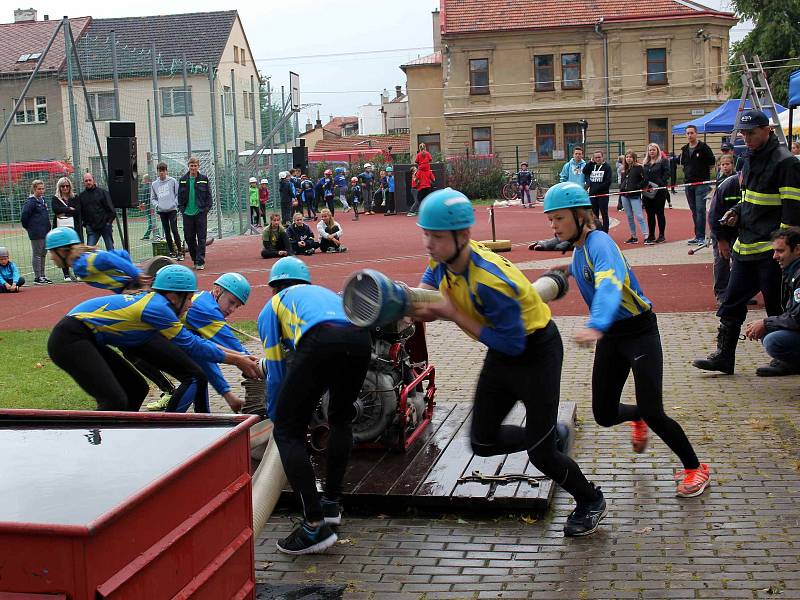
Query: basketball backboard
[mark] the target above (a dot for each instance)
(294, 87)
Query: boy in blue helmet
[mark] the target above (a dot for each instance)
(328, 352)
(623, 324)
(493, 302)
(146, 325)
(340, 183)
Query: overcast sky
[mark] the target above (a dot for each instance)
(360, 57)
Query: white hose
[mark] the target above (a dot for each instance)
(268, 483)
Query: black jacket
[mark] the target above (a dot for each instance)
(726, 196)
(525, 178)
(696, 162)
(632, 179)
(299, 234)
(202, 192)
(597, 177)
(657, 173)
(790, 300)
(770, 198)
(72, 209)
(97, 210)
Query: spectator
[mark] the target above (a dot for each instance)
(355, 196)
(656, 175)
(573, 168)
(10, 277)
(796, 149)
(36, 221)
(412, 212)
(524, 180)
(340, 183)
(425, 179)
(66, 213)
(326, 185)
(301, 236)
(726, 195)
(330, 233)
(275, 239)
(263, 198)
(255, 204)
(632, 183)
(164, 196)
(597, 175)
(781, 334)
(307, 198)
(620, 165)
(146, 206)
(287, 192)
(390, 205)
(97, 212)
(367, 179)
(423, 157)
(696, 158)
(770, 189)
(194, 202)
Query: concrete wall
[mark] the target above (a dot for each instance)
(36, 141)
(370, 120)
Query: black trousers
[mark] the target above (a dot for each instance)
(600, 210)
(654, 208)
(169, 222)
(533, 378)
(390, 207)
(19, 283)
(747, 278)
(338, 356)
(635, 345)
(194, 228)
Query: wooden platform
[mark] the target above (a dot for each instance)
(427, 474)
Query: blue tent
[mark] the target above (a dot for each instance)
(794, 89)
(719, 120)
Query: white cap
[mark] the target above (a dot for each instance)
(283, 174)
(253, 180)
(264, 181)
(367, 165)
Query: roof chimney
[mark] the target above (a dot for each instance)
(309, 126)
(437, 31)
(398, 91)
(23, 15)
(47, 17)
(318, 122)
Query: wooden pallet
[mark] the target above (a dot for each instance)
(427, 474)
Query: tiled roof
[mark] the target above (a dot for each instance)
(202, 36)
(431, 59)
(474, 16)
(399, 143)
(30, 37)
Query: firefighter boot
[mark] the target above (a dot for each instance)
(722, 359)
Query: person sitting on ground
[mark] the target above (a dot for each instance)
(146, 325)
(330, 233)
(781, 334)
(104, 269)
(10, 277)
(301, 236)
(275, 239)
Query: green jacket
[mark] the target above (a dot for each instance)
(254, 196)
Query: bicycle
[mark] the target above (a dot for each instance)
(510, 189)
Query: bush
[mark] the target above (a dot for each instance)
(481, 177)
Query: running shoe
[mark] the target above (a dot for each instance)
(693, 482)
(632, 240)
(332, 511)
(586, 517)
(200, 266)
(306, 539)
(39, 281)
(639, 435)
(47, 280)
(159, 404)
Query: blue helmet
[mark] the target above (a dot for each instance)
(289, 268)
(175, 278)
(339, 170)
(60, 237)
(564, 195)
(446, 210)
(389, 168)
(236, 284)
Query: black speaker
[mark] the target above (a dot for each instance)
(300, 158)
(123, 179)
(121, 129)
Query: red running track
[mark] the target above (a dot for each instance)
(393, 245)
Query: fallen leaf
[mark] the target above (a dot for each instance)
(39, 365)
(265, 565)
(344, 541)
(311, 569)
(643, 530)
(528, 520)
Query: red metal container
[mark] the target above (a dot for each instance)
(97, 505)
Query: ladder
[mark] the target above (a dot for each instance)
(756, 89)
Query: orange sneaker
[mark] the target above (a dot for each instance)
(639, 435)
(693, 482)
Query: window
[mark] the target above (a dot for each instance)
(571, 72)
(227, 100)
(103, 106)
(479, 76)
(431, 141)
(32, 110)
(176, 101)
(243, 58)
(543, 73)
(572, 136)
(481, 140)
(657, 132)
(656, 66)
(236, 54)
(545, 140)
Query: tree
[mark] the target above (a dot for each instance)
(775, 39)
(287, 133)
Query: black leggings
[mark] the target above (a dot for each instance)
(600, 210)
(654, 207)
(338, 356)
(169, 221)
(534, 378)
(635, 344)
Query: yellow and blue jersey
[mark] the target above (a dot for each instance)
(106, 269)
(131, 319)
(494, 292)
(284, 320)
(205, 319)
(606, 282)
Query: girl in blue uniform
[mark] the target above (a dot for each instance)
(622, 323)
(493, 302)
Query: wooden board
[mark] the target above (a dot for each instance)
(426, 475)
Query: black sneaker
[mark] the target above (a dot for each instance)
(777, 368)
(304, 539)
(47, 281)
(332, 511)
(585, 519)
(39, 281)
